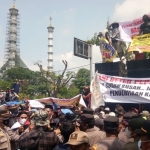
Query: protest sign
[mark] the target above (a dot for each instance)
(140, 43)
(124, 90)
(108, 52)
(63, 102)
(129, 29)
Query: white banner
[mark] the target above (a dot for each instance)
(129, 29)
(124, 90)
(96, 96)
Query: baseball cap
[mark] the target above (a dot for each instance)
(40, 118)
(77, 138)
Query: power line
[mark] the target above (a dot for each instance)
(76, 67)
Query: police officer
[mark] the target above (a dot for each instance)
(111, 142)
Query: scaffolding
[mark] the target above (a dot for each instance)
(12, 41)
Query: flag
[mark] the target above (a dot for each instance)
(96, 95)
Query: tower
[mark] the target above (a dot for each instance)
(50, 47)
(12, 41)
(12, 51)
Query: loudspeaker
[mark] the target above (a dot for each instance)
(108, 68)
(138, 64)
(139, 74)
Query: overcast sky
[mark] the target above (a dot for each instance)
(70, 18)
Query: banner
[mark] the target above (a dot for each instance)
(96, 96)
(108, 52)
(64, 102)
(129, 29)
(124, 90)
(140, 43)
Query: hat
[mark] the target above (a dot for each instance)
(111, 122)
(88, 111)
(77, 138)
(5, 115)
(87, 118)
(145, 129)
(41, 118)
(49, 106)
(136, 123)
(111, 119)
(145, 113)
(99, 122)
(107, 109)
(3, 109)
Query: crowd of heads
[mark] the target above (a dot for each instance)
(71, 128)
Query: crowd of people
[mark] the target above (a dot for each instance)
(78, 129)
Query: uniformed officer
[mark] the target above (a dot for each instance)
(87, 123)
(111, 142)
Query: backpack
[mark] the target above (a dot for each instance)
(34, 146)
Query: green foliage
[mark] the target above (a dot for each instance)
(42, 82)
(82, 78)
(5, 84)
(68, 92)
(94, 40)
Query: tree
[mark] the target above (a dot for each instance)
(55, 83)
(82, 78)
(32, 83)
(94, 40)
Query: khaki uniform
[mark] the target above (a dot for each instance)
(95, 136)
(123, 137)
(109, 143)
(131, 146)
(4, 141)
(14, 137)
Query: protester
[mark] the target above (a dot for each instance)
(133, 125)
(145, 114)
(49, 109)
(15, 132)
(87, 96)
(39, 138)
(66, 129)
(78, 140)
(50, 127)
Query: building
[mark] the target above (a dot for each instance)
(50, 47)
(12, 51)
